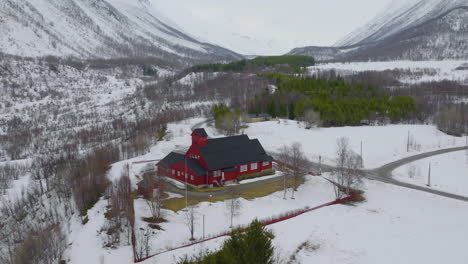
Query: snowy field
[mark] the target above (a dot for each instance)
(449, 172)
(381, 144)
(379, 230)
(432, 70)
(344, 234)
(314, 192)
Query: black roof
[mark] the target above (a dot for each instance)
(196, 167)
(221, 153)
(201, 132)
(173, 158)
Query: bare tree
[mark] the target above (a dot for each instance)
(155, 200)
(283, 160)
(294, 164)
(190, 220)
(154, 203)
(348, 174)
(233, 205)
(143, 246)
(311, 118)
(230, 123)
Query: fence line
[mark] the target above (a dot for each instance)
(265, 222)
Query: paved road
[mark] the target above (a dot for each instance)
(387, 169)
(382, 174)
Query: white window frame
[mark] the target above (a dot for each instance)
(178, 173)
(173, 172)
(191, 177)
(253, 166)
(243, 168)
(266, 163)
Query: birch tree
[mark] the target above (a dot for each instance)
(348, 174)
(190, 219)
(233, 205)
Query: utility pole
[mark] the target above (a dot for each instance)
(362, 160)
(320, 165)
(429, 176)
(284, 185)
(186, 186)
(407, 142)
(203, 227)
(128, 169)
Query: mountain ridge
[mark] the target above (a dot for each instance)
(97, 29)
(437, 37)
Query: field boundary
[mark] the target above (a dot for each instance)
(265, 222)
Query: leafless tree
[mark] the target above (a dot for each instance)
(233, 205)
(231, 123)
(143, 245)
(283, 159)
(348, 174)
(155, 200)
(190, 220)
(294, 165)
(412, 171)
(311, 118)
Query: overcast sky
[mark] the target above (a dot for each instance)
(270, 26)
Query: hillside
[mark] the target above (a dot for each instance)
(97, 29)
(422, 30)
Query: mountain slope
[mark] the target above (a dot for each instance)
(414, 30)
(95, 29)
(441, 38)
(399, 16)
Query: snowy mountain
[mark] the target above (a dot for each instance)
(399, 16)
(96, 29)
(414, 30)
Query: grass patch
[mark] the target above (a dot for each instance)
(358, 198)
(177, 204)
(207, 189)
(153, 220)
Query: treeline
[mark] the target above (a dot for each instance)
(293, 63)
(339, 102)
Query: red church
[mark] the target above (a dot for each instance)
(216, 161)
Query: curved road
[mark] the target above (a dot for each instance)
(382, 174)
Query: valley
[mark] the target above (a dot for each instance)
(148, 132)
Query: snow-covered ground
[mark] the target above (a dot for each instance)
(381, 144)
(314, 192)
(344, 234)
(379, 230)
(449, 172)
(86, 246)
(427, 70)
